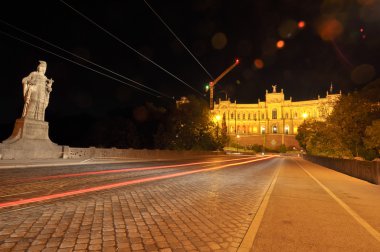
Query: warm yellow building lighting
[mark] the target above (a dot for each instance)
(304, 115)
(217, 118)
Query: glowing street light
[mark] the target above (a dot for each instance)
(305, 115)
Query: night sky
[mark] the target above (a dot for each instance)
(340, 43)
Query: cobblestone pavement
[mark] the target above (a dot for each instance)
(207, 211)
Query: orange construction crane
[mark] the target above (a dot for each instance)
(213, 83)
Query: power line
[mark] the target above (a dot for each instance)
(79, 64)
(79, 57)
(172, 32)
(130, 47)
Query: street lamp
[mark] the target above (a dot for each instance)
(237, 142)
(304, 115)
(217, 118)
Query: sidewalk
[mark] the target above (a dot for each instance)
(313, 208)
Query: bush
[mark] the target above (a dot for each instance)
(282, 148)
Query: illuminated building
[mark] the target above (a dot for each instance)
(274, 121)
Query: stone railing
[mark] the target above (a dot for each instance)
(365, 170)
(92, 152)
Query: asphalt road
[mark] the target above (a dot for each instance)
(203, 204)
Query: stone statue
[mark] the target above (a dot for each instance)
(274, 88)
(36, 90)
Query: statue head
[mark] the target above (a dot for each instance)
(42, 67)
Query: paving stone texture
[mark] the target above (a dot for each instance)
(208, 211)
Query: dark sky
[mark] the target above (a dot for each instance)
(340, 43)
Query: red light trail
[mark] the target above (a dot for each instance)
(120, 184)
(121, 170)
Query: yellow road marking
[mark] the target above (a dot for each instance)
(354, 214)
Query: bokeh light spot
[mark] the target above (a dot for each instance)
(219, 40)
(370, 12)
(259, 64)
(363, 74)
(366, 2)
(301, 24)
(330, 29)
(280, 44)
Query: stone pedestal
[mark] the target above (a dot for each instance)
(30, 140)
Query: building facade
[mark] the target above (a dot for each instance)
(272, 122)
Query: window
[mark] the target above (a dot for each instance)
(232, 115)
(274, 129)
(286, 129)
(254, 116)
(249, 116)
(262, 129)
(238, 117)
(262, 116)
(243, 116)
(274, 114)
(286, 115)
(295, 115)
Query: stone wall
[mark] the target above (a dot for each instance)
(365, 170)
(272, 141)
(92, 152)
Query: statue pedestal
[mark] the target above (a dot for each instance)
(30, 140)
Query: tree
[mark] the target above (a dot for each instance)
(372, 136)
(349, 131)
(351, 116)
(188, 127)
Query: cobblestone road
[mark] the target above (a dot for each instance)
(205, 211)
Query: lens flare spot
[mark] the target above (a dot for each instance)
(330, 29)
(280, 44)
(219, 40)
(259, 64)
(301, 24)
(363, 74)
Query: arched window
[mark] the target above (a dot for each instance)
(274, 114)
(243, 116)
(262, 116)
(295, 115)
(274, 129)
(238, 117)
(232, 115)
(249, 116)
(286, 115)
(254, 116)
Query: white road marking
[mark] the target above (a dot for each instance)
(353, 214)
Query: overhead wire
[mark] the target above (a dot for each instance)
(179, 40)
(130, 47)
(79, 57)
(74, 62)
